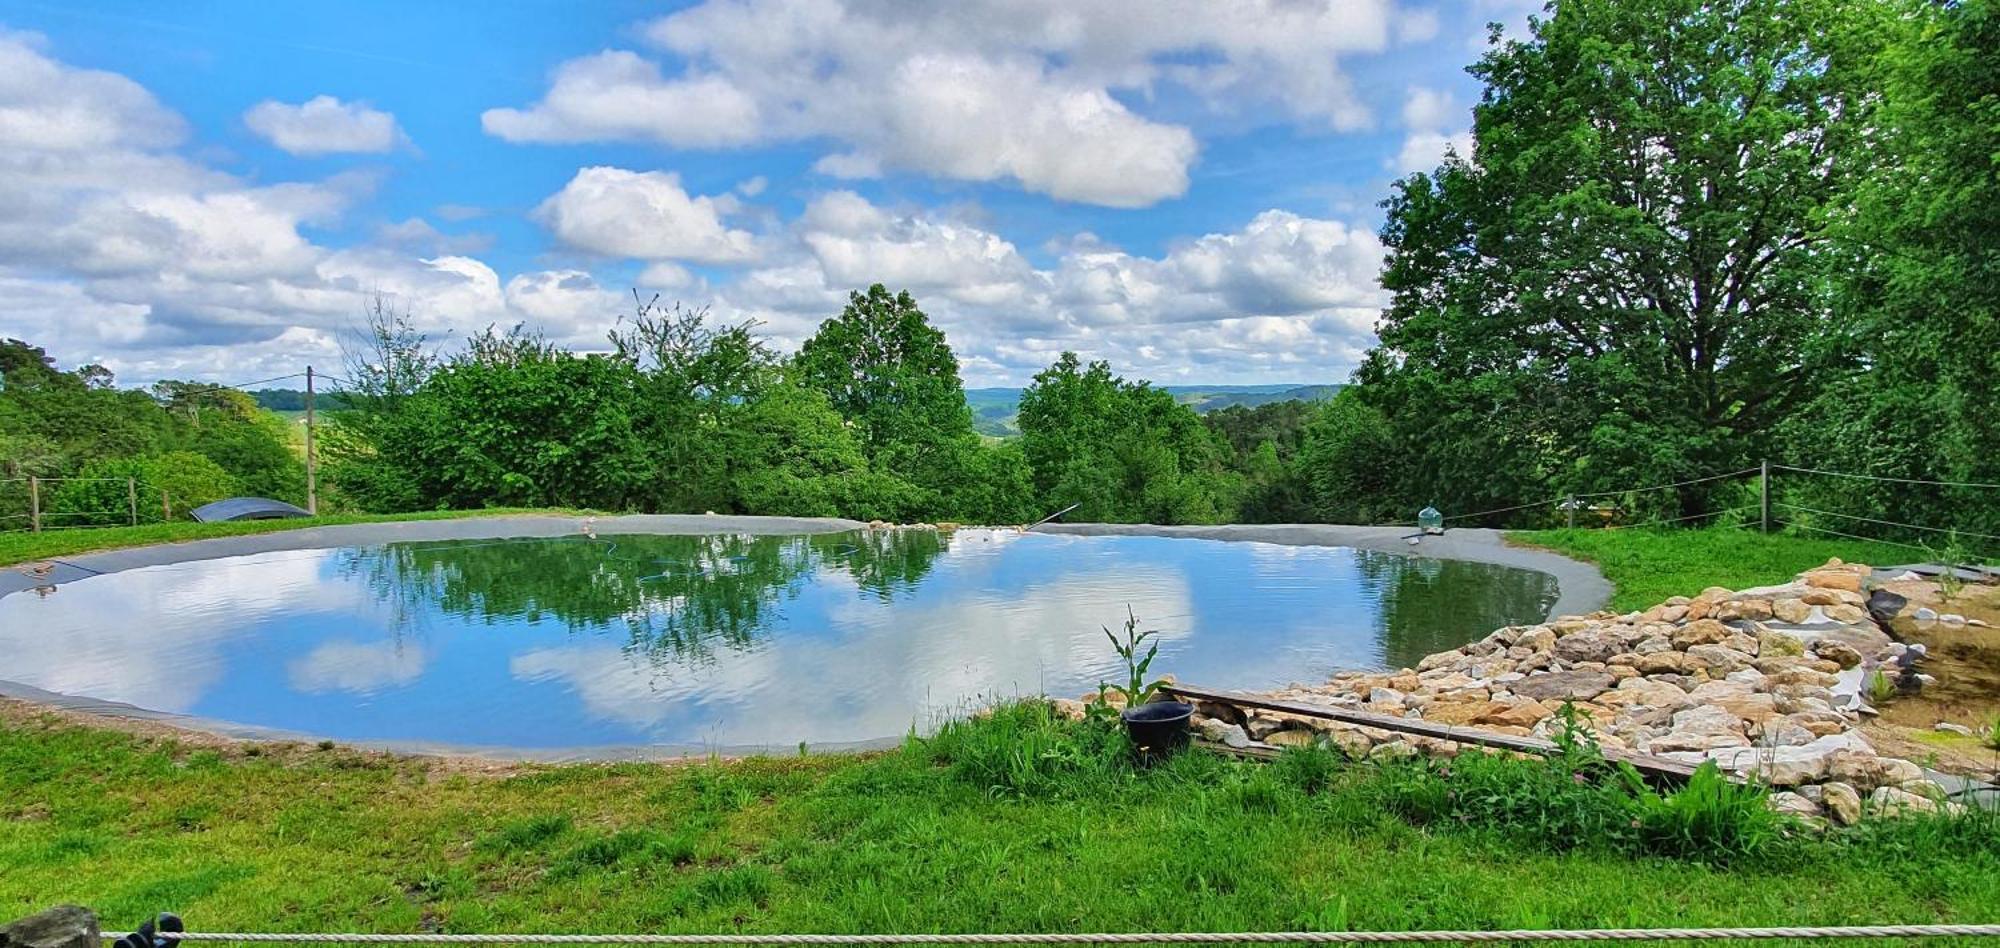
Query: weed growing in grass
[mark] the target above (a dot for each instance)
(1711, 819)
(1881, 687)
(1136, 690)
(1026, 749)
(1578, 798)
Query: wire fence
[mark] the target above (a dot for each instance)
(1777, 507)
(36, 504)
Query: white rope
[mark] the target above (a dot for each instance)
(1110, 938)
(1874, 477)
(1886, 523)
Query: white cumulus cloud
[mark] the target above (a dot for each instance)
(644, 215)
(324, 125)
(1040, 93)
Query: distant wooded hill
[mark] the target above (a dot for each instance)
(292, 399)
(994, 409)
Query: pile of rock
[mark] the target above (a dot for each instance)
(1767, 682)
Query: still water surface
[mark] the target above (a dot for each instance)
(724, 640)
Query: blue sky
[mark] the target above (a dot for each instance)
(213, 190)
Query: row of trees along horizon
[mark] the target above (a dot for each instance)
(1691, 237)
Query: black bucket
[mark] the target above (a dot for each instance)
(1158, 729)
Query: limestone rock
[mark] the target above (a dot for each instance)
(1793, 804)
(1539, 638)
(65, 926)
(1790, 610)
(1716, 659)
(1291, 737)
(1646, 693)
(1393, 750)
(1577, 685)
(1895, 801)
(1825, 578)
(1840, 653)
(1774, 644)
(1524, 714)
(1389, 698)
(1842, 802)
(1224, 733)
(1752, 609)
(1663, 663)
(1588, 645)
(1700, 632)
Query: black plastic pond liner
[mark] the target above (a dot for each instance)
(246, 508)
(1158, 729)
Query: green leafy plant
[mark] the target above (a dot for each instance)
(1136, 690)
(1951, 556)
(1881, 687)
(1711, 818)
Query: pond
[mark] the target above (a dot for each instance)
(724, 641)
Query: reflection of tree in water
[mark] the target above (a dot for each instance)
(1430, 605)
(884, 562)
(677, 597)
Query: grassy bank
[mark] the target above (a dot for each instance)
(1015, 824)
(1647, 566)
(23, 547)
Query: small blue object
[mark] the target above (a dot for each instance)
(246, 508)
(1430, 520)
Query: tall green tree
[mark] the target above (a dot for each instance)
(1122, 451)
(892, 375)
(1924, 290)
(1630, 279)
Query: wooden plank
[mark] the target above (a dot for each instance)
(1252, 753)
(1657, 768)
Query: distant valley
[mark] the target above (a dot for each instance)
(994, 410)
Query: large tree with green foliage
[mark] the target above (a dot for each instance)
(1122, 451)
(1924, 293)
(1630, 278)
(893, 377)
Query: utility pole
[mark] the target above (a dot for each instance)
(35, 503)
(312, 474)
(1764, 497)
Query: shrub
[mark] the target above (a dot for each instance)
(99, 495)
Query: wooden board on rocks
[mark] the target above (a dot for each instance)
(1656, 769)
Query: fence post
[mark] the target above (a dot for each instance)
(1569, 505)
(35, 503)
(312, 475)
(1764, 497)
(166, 507)
(132, 498)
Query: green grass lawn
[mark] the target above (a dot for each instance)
(1647, 566)
(1013, 824)
(21, 547)
(1019, 825)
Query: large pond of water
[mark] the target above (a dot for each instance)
(724, 641)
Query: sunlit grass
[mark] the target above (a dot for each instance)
(962, 833)
(1648, 566)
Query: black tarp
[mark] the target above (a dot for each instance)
(246, 508)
